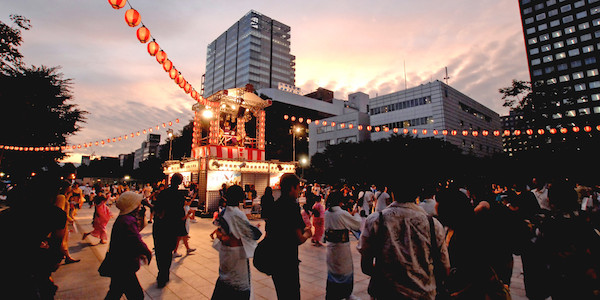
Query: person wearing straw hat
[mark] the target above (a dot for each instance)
(126, 249)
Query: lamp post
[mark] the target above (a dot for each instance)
(295, 129)
(170, 134)
(303, 163)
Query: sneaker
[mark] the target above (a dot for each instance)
(191, 250)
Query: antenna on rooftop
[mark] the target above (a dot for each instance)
(447, 77)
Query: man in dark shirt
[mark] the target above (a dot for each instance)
(286, 226)
(168, 216)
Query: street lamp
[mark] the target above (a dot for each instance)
(303, 164)
(170, 134)
(295, 130)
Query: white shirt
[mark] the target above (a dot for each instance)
(542, 198)
(339, 256)
(382, 201)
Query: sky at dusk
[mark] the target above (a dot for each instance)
(344, 46)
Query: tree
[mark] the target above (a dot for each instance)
(36, 111)
(517, 96)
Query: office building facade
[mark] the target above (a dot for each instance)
(431, 106)
(562, 39)
(255, 50)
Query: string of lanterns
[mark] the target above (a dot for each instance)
(474, 133)
(133, 19)
(101, 142)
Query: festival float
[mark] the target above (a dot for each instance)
(223, 152)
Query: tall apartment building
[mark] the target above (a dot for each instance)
(148, 149)
(255, 50)
(562, 38)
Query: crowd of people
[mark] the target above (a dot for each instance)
(444, 240)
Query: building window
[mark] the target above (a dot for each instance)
(582, 100)
(560, 55)
(529, 20)
(590, 60)
(534, 51)
(537, 72)
(570, 113)
(596, 22)
(572, 41)
(559, 45)
(532, 41)
(539, 6)
(584, 111)
(567, 19)
(579, 4)
(542, 27)
(544, 37)
(563, 78)
(580, 87)
(530, 30)
(583, 26)
(592, 73)
(540, 17)
(546, 48)
(554, 23)
(556, 116)
(588, 49)
(547, 58)
(595, 10)
(550, 2)
(562, 67)
(549, 70)
(569, 29)
(582, 14)
(527, 10)
(551, 81)
(597, 110)
(594, 84)
(575, 64)
(586, 37)
(574, 52)
(595, 97)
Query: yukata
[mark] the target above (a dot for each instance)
(318, 221)
(340, 270)
(234, 267)
(101, 218)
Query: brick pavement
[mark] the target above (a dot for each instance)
(194, 276)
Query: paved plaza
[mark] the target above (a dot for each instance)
(193, 276)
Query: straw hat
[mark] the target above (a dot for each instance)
(128, 202)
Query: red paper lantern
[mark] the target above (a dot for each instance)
(475, 133)
(183, 82)
(485, 133)
(465, 133)
(529, 131)
(187, 88)
(179, 78)
(506, 132)
(161, 57)
(517, 132)
(424, 131)
(435, 132)
(173, 73)
(541, 131)
(143, 34)
(168, 65)
(496, 132)
(575, 129)
(414, 131)
(445, 132)
(564, 130)
(132, 17)
(117, 4)
(587, 128)
(153, 48)
(453, 132)
(552, 130)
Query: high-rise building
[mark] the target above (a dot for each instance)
(148, 149)
(255, 50)
(563, 51)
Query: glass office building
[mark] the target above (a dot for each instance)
(255, 50)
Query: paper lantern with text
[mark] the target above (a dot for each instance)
(153, 48)
(117, 4)
(161, 57)
(132, 17)
(143, 34)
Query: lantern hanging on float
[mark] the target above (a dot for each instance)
(132, 17)
(173, 73)
(143, 34)
(117, 4)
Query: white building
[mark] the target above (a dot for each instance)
(428, 108)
